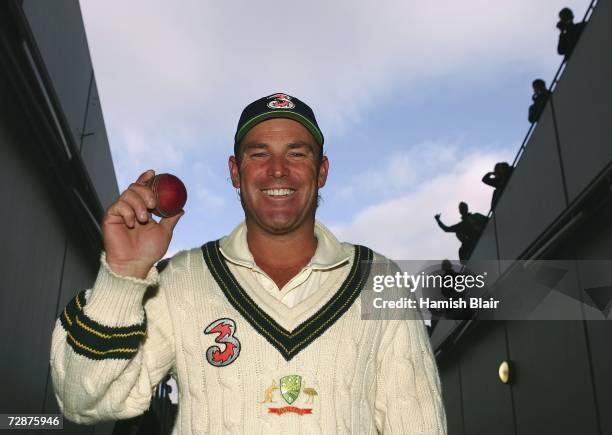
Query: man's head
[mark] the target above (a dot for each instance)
(463, 208)
(278, 164)
(446, 265)
(277, 105)
(566, 15)
(539, 86)
(501, 168)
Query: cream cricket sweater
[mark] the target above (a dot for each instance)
(245, 362)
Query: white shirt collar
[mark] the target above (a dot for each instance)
(329, 252)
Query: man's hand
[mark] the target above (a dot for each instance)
(437, 216)
(133, 241)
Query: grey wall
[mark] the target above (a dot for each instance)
(47, 255)
(43, 265)
(561, 380)
(570, 146)
(534, 196)
(57, 27)
(594, 243)
(95, 151)
(33, 242)
(59, 33)
(586, 84)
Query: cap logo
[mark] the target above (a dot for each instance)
(280, 101)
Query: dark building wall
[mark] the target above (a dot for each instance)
(50, 245)
(33, 244)
(560, 370)
(594, 242)
(58, 29)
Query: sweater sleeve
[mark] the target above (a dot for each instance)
(109, 348)
(408, 398)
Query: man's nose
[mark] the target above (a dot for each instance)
(278, 167)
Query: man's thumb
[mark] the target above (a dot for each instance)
(170, 222)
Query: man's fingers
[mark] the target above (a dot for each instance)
(137, 202)
(145, 176)
(170, 222)
(124, 211)
(145, 193)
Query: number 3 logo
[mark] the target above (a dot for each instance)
(226, 328)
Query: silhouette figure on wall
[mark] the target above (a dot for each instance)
(570, 32)
(447, 292)
(540, 97)
(498, 179)
(467, 231)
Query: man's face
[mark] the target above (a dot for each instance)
(278, 175)
(539, 87)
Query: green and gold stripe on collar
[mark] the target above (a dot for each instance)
(289, 343)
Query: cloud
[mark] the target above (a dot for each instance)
(140, 151)
(403, 227)
(402, 171)
(190, 67)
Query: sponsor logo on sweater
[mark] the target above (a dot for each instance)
(290, 387)
(225, 329)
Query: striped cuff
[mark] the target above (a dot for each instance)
(96, 341)
(117, 300)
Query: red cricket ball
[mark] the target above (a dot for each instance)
(170, 194)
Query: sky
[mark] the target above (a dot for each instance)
(417, 101)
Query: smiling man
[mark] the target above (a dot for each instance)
(262, 329)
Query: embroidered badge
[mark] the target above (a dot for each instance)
(280, 101)
(269, 394)
(225, 328)
(290, 388)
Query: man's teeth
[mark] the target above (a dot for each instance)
(278, 192)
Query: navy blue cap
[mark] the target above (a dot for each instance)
(277, 105)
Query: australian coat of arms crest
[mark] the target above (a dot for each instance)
(290, 388)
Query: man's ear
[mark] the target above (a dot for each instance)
(323, 170)
(234, 172)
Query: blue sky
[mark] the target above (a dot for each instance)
(417, 100)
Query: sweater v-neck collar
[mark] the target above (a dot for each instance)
(289, 343)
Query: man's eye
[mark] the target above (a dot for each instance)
(258, 155)
(297, 154)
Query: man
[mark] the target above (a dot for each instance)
(261, 328)
(540, 98)
(498, 178)
(467, 231)
(569, 32)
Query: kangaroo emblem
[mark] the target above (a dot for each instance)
(268, 395)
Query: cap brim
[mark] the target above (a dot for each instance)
(279, 114)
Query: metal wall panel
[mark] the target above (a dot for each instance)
(552, 390)
(534, 196)
(33, 244)
(484, 257)
(583, 104)
(594, 242)
(450, 378)
(60, 36)
(96, 152)
(487, 402)
(486, 249)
